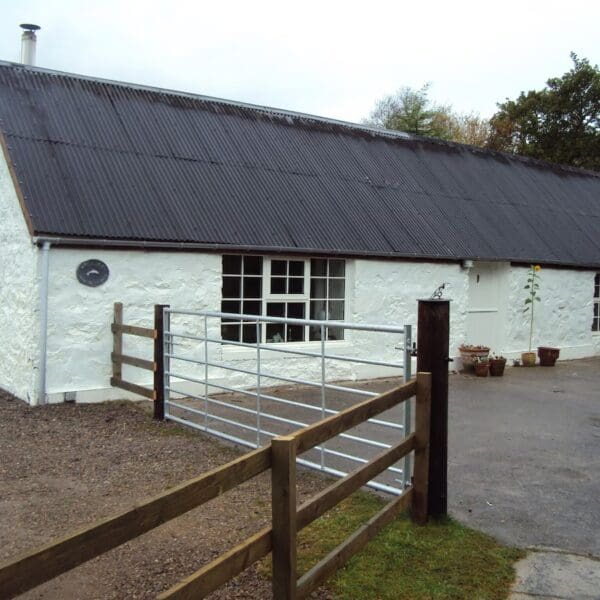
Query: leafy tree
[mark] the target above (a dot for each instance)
(412, 111)
(560, 123)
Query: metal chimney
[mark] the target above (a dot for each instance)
(28, 40)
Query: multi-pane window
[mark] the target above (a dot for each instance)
(241, 294)
(327, 293)
(596, 319)
(277, 287)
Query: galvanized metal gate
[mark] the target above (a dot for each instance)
(209, 387)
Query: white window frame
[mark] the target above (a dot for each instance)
(304, 298)
(268, 297)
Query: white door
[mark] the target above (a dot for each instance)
(487, 305)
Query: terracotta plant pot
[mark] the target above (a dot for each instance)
(497, 367)
(469, 353)
(481, 369)
(528, 359)
(548, 355)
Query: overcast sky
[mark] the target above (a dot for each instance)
(328, 58)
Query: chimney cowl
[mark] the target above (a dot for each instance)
(28, 43)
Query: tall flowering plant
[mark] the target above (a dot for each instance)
(532, 287)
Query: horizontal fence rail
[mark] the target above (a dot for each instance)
(31, 569)
(197, 367)
(118, 358)
(287, 520)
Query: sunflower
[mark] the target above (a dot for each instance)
(537, 268)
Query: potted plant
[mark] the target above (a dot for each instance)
(548, 355)
(469, 352)
(481, 365)
(532, 288)
(497, 364)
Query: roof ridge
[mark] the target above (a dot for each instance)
(350, 126)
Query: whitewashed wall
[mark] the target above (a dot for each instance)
(378, 291)
(79, 337)
(563, 317)
(80, 342)
(18, 295)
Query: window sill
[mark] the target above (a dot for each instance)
(240, 353)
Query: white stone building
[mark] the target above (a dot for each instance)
(208, 204)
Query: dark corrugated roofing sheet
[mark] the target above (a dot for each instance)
(98, 159)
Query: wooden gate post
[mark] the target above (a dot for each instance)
(117, 371)
(159, 362)
(283, 508)
(432, 356)
(422, 431)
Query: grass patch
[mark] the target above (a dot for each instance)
(442, 560)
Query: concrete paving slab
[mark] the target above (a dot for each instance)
(557, 575)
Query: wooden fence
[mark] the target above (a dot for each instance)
(119, 359)
(49, 561)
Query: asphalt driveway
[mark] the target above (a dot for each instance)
(524, 455)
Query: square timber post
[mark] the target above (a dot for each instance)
(432, 356)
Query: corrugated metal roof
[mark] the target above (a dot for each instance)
(104, 160)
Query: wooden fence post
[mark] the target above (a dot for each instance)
(421, 467)
(432, 357)
(117, 368)
(159, 361)
(283, 499)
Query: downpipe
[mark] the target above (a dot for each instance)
(43, 358)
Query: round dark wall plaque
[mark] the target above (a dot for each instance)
(92, 272)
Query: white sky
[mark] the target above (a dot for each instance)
(323, 57)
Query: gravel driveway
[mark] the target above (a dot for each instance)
(65, 466)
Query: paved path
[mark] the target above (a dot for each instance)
(553, 575)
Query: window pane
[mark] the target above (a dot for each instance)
(337, 268)
(252, 308)
(275, 332)
(252, 265)
(296, 285)
(252, 287)
(336, 310)
(318, 288)
(297, 268)
(232, 264)
(318, 310)
(314, 334)
(276, 309)
(278, 267)
(230, 332)
(231, 287)
(295, 333)
(335, 333)
(277, 285)
(230, 306)
(295, 310)
(336, 289)
(318, 267)
(249, 333)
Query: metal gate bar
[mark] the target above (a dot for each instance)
(260, 375)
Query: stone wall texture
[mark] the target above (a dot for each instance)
(378, 291)
(19, 297)
(563, 317)
(79, 336)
